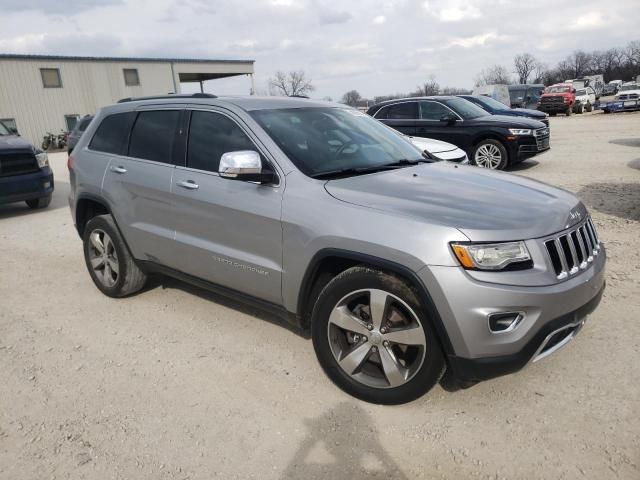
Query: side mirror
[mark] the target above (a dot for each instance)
(449, 118)
(573, 90)
(14, 131)
(243, 165)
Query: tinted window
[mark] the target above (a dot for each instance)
(153, 135)
(433, 111)
(402, 111)
(111, 136)
(211, 135)
(84, 123)
(465, 109)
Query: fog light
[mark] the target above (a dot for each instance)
(503, 322)
(46, 184)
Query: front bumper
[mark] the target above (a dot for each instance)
(464, 305)
(29, 186)
(528, 146)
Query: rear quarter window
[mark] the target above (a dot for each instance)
(153, 135)
(112, 134)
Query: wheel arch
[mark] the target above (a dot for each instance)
(329, 262)
(87, 207)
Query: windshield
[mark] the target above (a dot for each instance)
(465, 108)
(629, 87)
(323, 140)
(491, 103)
(4, 130)
(558, 89)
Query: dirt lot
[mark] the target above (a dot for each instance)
(176, 383)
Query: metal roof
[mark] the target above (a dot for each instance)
(64, 58)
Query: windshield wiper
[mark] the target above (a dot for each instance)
(364, 170)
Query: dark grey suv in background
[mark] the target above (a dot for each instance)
(402, 270)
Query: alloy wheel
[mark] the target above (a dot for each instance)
(103, 258)
(376, 338)
(488, 156)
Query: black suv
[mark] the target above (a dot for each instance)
(494, 107)
(491, 141)
(24, 171)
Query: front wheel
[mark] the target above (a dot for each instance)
(589, 108)
(373, 338)
(38, 203)
(569, 111)
(490, 154)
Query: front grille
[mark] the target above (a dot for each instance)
(573, 251)
(17, 164)
(630, 96)
(542, 138)
(554, 99)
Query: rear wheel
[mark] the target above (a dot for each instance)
(38, 203)
(490, 154)
(373, 339)
(111, 266)
(589, 107)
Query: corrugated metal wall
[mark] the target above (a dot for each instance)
(86, 86)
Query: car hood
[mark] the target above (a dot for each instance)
(431, 145)
(13, 142)
(484, 205)
(507, 121)
(628, 92)
(535, 114)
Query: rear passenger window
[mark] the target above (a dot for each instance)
(433, 111)
(210, 136)
(111, 136)
(153, 135)
(402, 111)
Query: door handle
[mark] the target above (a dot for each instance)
(119, 170)
(189, 185)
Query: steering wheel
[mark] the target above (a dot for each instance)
(342, 149)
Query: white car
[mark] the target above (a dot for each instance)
(585, 99)
(438, 150)
(628, 91)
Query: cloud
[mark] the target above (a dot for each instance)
(456, 14)
(379, 20)
(588, 21)
(333, 16)
(477, 40)
(55, 6)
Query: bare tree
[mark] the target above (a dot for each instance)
(632, 53)
(540, 72)
(351, 98)
(428, 88)
(496, 74)
(579, 63)
(525, 65)
(291, 84)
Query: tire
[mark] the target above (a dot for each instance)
(45, 145)
(552, 114)
(569, 111)
(38, 203)
(490, 154)
(589, 107)
(580, 109)
(111, 266)
(374, 374)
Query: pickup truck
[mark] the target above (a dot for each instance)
(558, 98)
(585, 100)
(627, 98)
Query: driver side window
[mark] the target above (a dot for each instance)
(433, 111)
(211, 135)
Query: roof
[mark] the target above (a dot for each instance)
(408, 99)
(248, 103)
(64, 58)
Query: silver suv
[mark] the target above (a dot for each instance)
(406, 272)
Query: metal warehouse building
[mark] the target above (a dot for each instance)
(43, 93)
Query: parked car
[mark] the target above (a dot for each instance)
(610, 89)
(585, 100)
(77, 132)
(525, 95)
(499, 93)
(490, 141)
(558, 98)
(496, 108)
(438, 150)
(401, 270)
(25, 175)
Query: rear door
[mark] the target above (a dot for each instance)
(137, 184)
(227, 231)
(401, 116)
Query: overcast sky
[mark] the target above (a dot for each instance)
(375, 47)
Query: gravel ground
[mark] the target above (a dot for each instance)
(177, 383)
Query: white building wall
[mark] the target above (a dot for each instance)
(87, 85)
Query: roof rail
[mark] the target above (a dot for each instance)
(170, 95)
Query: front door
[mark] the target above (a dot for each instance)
(227, 231)
(431, 124)
(400, 116)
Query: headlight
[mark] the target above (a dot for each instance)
(520, 131)
(43, 159)
(491, 256)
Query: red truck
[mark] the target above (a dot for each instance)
(558, 98)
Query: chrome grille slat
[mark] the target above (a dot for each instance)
(573, 250)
